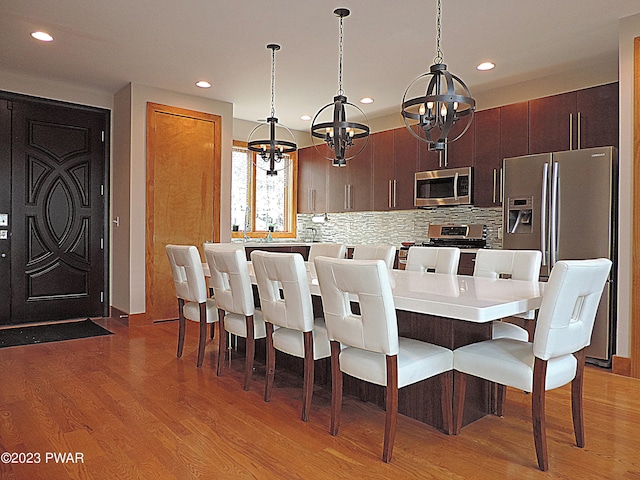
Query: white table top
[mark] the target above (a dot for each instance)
(462, 297)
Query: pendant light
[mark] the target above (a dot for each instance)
(336, 131)
(446, 101)
(272, 150)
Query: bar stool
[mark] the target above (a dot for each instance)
(367, 346)
(433, 259)
(234, 297)
(285, 302)
(191, 290)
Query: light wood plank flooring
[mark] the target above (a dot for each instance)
(136, 412)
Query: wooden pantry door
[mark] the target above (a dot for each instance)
(183, 194)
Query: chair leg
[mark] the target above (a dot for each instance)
(446, 385)
(203, 334)
(538, 412)
(182, 326)
(222, 341)
(459, 388)
(271, 363)
(307, 391)
(336, 387)
(250, 350)
(576, 399)
(391, 406)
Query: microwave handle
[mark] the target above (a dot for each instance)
(455, 185)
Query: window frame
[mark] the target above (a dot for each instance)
(291, 203)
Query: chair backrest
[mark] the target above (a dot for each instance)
(376, 327)
(438, 259)
(516, 264)
(187, 273)
(333, 250)
(375, 252)
(569, 306)
(287, 271)
(230, 278)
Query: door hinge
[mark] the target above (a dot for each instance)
(102, 136)
(101, 297)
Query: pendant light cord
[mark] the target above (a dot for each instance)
(439, 58)
(273, 81)
(340, 91)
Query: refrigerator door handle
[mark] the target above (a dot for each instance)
(543, 213)
(553, 240)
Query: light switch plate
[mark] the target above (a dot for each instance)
(4, 219)
(4, 234)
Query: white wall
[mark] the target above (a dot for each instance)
(629, 29)
(134, 246)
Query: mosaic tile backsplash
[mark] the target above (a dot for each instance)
(396, 227)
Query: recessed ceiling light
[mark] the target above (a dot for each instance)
(486, 66)
(306, 118)
(366, 100)
(203, 84)
(42, 36)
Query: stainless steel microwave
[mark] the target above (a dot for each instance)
(443, 187)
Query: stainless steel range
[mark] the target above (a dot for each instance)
(473, 235)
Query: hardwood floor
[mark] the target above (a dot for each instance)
(134, 411)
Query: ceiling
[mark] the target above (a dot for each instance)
(104, 45)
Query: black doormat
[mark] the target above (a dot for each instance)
(55, 332)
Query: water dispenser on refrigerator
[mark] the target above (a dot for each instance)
(520, 213)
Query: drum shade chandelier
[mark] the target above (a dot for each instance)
(339, 133)
(272, 150)
(446, 101)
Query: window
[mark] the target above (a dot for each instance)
(260, 201)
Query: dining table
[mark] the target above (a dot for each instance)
(446, 310)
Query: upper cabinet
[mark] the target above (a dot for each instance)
(349, 188)
(569, 121)
(488, 162)
(395, 161)
(312, 180)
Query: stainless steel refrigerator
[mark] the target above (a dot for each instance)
(565, 204)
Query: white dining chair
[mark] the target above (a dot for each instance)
(433, 259)
(514, 264)
(554, 358)
(375, 252)
(234, 297)
(191, 289)
(285, 301)
(333, 250)
(366, 345)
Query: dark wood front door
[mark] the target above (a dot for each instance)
(57, 208)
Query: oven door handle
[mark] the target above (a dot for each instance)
(455, 185)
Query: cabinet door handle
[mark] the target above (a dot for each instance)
(390, 192)
(495, 182)
(501, 186)
(571, 131)
(349, 197)
(395, 191)
(313, 199)
(345, 196)
(440, 159)
(579, 122)
(310, 199)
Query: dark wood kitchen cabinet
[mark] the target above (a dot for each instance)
(579, 119)
(514, 130)
(460, 152)
(349, 189)
(395, 161)
(312, 180)
(487, 162)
